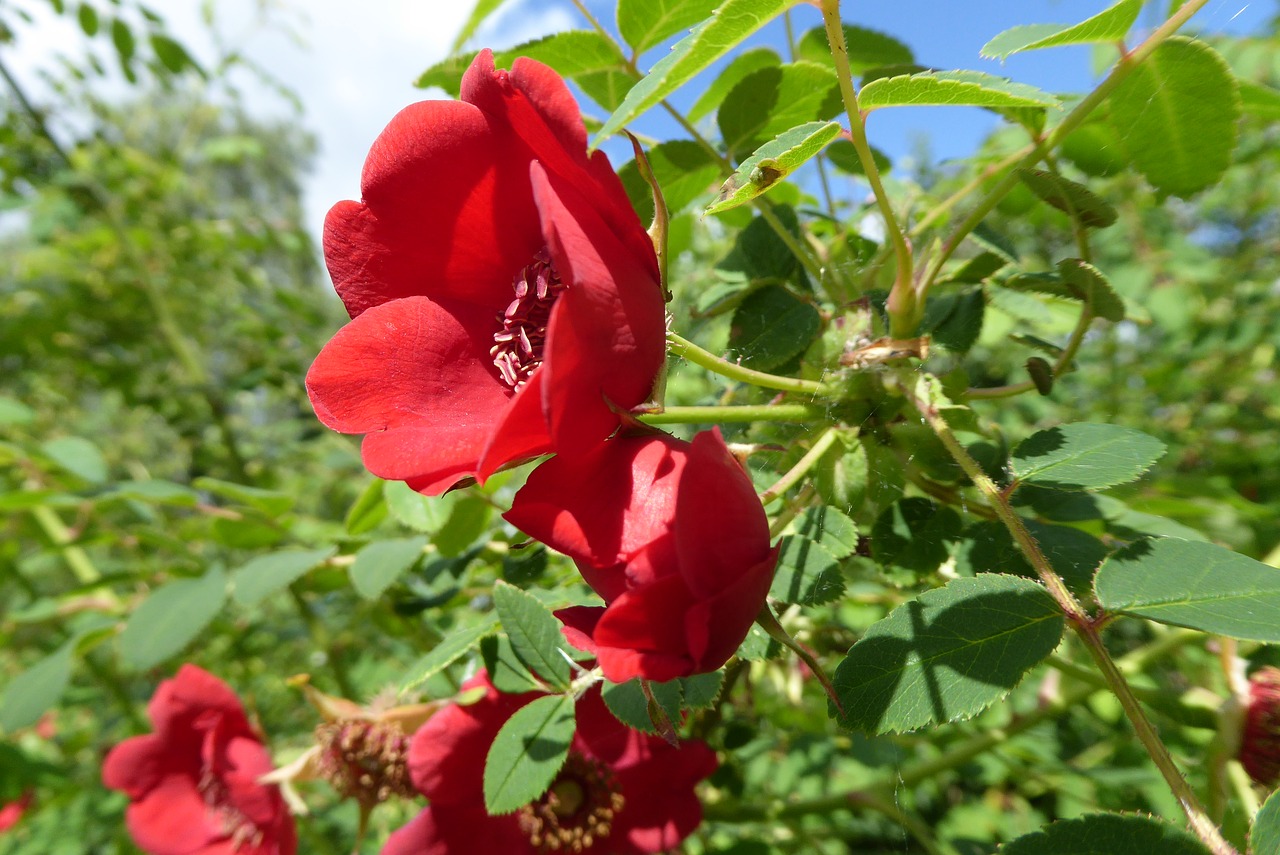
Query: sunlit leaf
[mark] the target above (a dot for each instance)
(1085, 456)
(267, 574)
(1107, 834)
(527, 753)
(534, 633)
(380, 563)
(772, 162)
(1109, 25)
(951, 89)
(645, 23)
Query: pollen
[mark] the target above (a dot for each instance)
(518, 343)
(578, 811)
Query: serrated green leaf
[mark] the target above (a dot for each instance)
(483, 9)
(772, 162)
(683, 169)
(451, 648)
(78, 456)
(1106, 834)
(867, 48)
(645, 23)
(979, 268)
(1074, 199)
(36, 689)
(382, 562)
(527, 753)
(507, 673)
(171, 617)
(1176, 116)
(742, 65)
(946, 655)
(951, 89)
(954, 321)
(771, 326)
(913, 533)
(1089, 285)
(732, 22)
(534, 633)
(701, 690)
(629, 705)
(828, 527)
(267, 574)
(1073, 554)
(773, 100)
(1194, 584)
(807, 573)
(572, 53)
(368, 510)
(1264, 838)
(1085, 456)
(1109, 25)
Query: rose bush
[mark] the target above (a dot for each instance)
(193, 784)
(670, 534)
(504, 296)
(620, 791)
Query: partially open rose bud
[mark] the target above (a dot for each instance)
(1260, 743)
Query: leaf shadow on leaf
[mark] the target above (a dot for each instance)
(1041, 443)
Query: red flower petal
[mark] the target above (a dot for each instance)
(642, 633)
(452, 829)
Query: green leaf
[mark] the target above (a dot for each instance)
(172, 55)
(829, 527)
(482, 10)
(508, 674)
(1073, 554)
(1110, 25)
(88, 17)
(955, 320)
(701, 690)
(807, 573)
(572, 53)
(772, 162)
(684, 170)
(1107, 834)
(368, 511)
(157, 492)
(645, 23)
(468, 521)
(951, 89)
(1089, 285)
(1085, 456)
(271, 502)
(1194, 584)
(1176, 116)
(78, 456)
(732, 22)
(913, 533)
(844, 156)
(840, 477)
(771, 101)
(1261, 102)
(122, 37)
(14, 412)
(527, 753)
(171, 617)
(742, 65)
(772, 326)
(867, 48)
(1264, 839)
(36, 689)
(382, 562)
(267, 574)
(415, 511)
(451, 648)
(946, 655)
(629, 705)
(1074, 199)
(534, 633)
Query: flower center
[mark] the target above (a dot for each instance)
(517, 345)
(577, 812)
(365, 760)
(232, 822)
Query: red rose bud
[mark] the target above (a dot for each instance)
(620, 791)
(1260, 743)
(671, 535)
(193, 784)
(504, 295)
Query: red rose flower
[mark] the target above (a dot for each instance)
(671, 535)
(193, 784)
(504, 295)
(1260, 742)
(620, 792)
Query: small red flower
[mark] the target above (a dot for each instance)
(193, 784)
(671, 535)
(1260, 743)
(620, 792)
(12, 812)
(504, 296)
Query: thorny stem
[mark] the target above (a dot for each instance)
(904, 313)
(792, 477)
(686, 349)
(1083, 625)
(730, 414)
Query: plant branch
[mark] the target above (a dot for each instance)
(686, 349)
(730, 414)
(793, 475)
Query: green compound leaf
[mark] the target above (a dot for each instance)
(1084, 456)
(951, 89)
(1176, 116)
(772, 326)
(171, 617)
(1107, 834)
(382, 562)
(645, 23)
(36, 689)
(1193, 584)
(867, 48)
(268, 574)
(732, 22)
(527, 753)
(1264, 839)
(772, 162)
(807, 573)
(1087, 283)
(946, 655)
(534, 633)
(1074, 199)
(450, 649)
(1110, 25)
(741, 66)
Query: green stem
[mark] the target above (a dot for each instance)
(686, 349)
(769, 623)
(1060, 367)
(793, 475)
(903, 308)
(736, 415)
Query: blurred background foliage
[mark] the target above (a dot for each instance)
(160, 302)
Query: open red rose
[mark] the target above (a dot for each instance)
(620, 792)
(671, 535)
(193, 784)
(504, 296)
